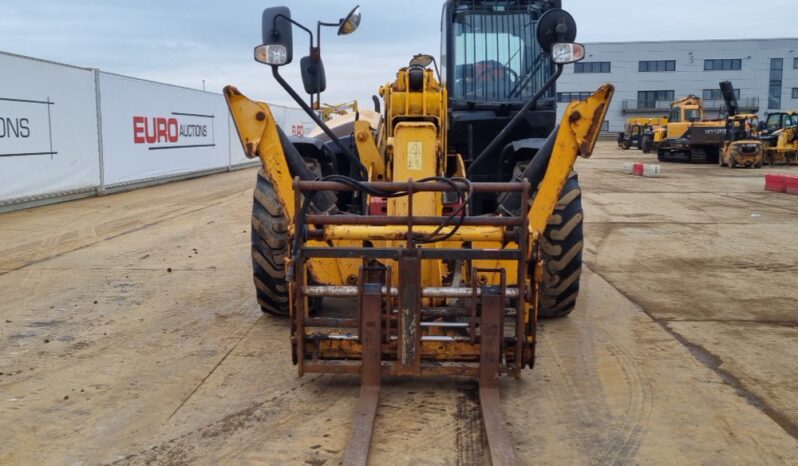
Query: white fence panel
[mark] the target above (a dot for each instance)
(48, 129)
(50, 115)
(296, 122)
(152, 130)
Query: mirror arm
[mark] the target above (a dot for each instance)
(515, 120)
(315, 53)
(310, 33)
(355, 161)
(319, 24)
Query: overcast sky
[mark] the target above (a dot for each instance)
(186, 42)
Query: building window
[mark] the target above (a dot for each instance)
(795, 92)
(774, 89)
(571, 96)
(649, 99)
(656, 65)
(715, 94)
(795, 63)
(724, 64)
(592, 67)
(605, 126)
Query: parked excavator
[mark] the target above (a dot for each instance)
(428, 237)
(688, 137)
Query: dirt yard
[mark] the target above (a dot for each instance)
(129, 334)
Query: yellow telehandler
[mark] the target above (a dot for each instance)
(425, 237)
(743, 146)
(640, 133)
(782, 145)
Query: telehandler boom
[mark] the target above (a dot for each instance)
(425, 238)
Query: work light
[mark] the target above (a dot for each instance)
(271, 54)
(564, 53)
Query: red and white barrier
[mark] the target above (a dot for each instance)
(782, 183)
(641, 169)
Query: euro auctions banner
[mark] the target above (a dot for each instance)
(177, 131)
(151, 130)
(48, 128)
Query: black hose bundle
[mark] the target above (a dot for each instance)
(459, 214)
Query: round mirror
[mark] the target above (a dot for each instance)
(422, 60)
(556, 26)
(350, 23)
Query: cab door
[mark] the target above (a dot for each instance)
(676, 124)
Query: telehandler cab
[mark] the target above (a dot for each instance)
(449, 217)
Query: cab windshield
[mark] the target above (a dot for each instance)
(496, 55)
(692, 115)
(778, 121)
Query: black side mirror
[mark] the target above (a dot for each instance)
(555, 26)
(313, 77)
(277, 48)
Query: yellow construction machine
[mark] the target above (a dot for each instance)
(743, 146)
(329, 112)
(688, 137)
(774, 122)
(786, 149)
(427, 238)
(641, 133)
(779, 133)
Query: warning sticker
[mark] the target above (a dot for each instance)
(415, 155)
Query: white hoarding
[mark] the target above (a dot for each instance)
(295, 122)
(48, 128)
(152, 130)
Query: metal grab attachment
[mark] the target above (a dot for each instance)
(467, 323)
(491, 333)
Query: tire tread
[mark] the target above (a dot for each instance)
(269, 248)
(561, 246)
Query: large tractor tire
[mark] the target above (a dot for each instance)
(562, 253)
(269, 248)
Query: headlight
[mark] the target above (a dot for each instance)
(564, 53)
(271, 54)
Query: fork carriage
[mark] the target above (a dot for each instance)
(478, 317)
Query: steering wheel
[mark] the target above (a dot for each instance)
(495, 69)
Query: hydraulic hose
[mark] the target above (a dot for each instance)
(324, 202)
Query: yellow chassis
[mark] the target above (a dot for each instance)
(257, 130)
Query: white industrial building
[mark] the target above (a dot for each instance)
(649, 75)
